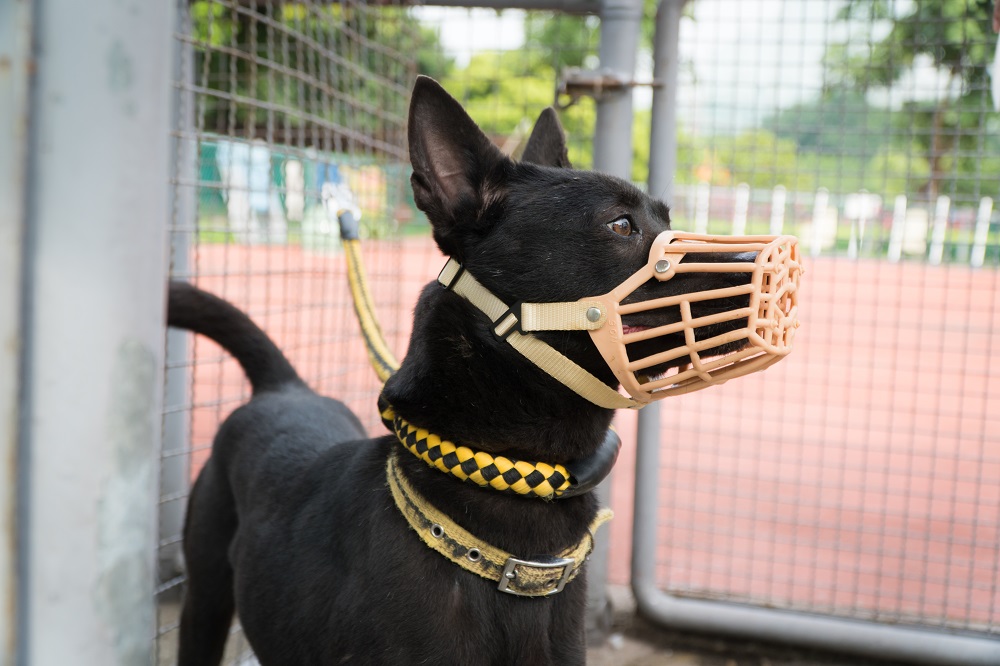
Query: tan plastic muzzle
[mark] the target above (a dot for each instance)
(749, 326)
(760, 332)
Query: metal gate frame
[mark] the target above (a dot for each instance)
(914, 645)
(84, 144)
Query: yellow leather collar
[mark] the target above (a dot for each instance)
(537, 576)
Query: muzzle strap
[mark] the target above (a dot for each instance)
(557, 365)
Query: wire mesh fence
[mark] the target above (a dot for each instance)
(856, 478)
(283, 111)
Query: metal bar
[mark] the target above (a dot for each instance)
(869, 639)
(919, 646)
(564, 6)
(15, 83)
(620, 24)
(94, 267)
(175, 471)
(662, 166)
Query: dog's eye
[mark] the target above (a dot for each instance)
(622, 226)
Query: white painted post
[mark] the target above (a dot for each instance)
(17, 58)
(740, 209)
(820, 204)
(702, 202)
(860, 208)
(852, 243)
(940, 229)
(94, 273)
(898, 231)
(982, 232)
(778, 198)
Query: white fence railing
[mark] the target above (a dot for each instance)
(858, 224)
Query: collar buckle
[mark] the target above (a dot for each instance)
(518, 577)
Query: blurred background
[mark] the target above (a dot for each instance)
(845, 501)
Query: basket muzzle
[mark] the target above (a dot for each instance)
(742, 322)
(733, 310)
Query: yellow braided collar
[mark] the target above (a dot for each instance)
(537, 576)
(484, 469)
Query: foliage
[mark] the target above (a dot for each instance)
(953, 36)
(293, 64)
(841, 121)
(756, 157)
(559, 41)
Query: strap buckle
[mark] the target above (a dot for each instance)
(450, 273)
(508, 322)
(515, 566)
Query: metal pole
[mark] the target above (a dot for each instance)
(620, 24)
(94, 271)
(919, 646)
(15, 113)
(563, 6)
(662, 167)
(175, 470)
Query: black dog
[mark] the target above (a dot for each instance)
(291, 521)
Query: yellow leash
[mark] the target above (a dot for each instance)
(381, 357)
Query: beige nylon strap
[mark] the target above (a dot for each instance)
(516, 576)
(569, 373)
(562, 316)
(545, 357)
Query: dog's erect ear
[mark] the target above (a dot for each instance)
(547, 145)
(451, 157)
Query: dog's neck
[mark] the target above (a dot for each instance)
(464, 385)
(460, 382)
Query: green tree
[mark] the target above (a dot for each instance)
(756, 157)
(339, 64)
(840, 121)
(954, 37)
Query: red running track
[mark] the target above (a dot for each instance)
(858, 477)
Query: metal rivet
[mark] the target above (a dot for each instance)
(594, 314)
(662, 266)
(474, 555)
(437, 531)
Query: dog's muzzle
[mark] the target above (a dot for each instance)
(741, 319)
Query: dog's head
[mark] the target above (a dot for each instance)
(538, 231)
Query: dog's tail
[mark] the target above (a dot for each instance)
(195, 310)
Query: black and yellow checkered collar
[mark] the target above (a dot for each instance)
(535, 576)
(529, 479)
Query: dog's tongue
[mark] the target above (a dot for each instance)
(626, 329)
